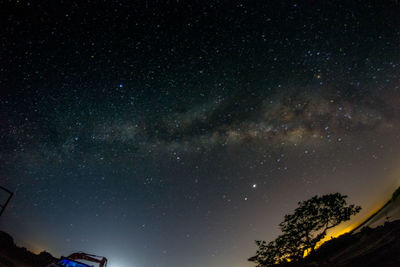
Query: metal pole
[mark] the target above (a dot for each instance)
(3, 207)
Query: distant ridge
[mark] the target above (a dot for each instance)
(395, 196)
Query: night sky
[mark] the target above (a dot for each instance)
(175, 133)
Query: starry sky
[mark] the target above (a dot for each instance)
(175, 133)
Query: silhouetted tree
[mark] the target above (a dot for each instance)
(303, 229)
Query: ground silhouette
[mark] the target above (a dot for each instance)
(304, 229)
(14, 256)
(370, 247)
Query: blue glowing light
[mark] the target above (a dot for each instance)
(69, 263)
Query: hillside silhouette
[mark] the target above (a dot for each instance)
(378, 246)
(13, 256)
(375, 242)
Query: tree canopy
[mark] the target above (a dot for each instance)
(303, 229)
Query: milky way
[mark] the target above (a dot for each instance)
(176, 133)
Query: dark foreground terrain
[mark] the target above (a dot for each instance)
(378, 246)
(13, 256)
